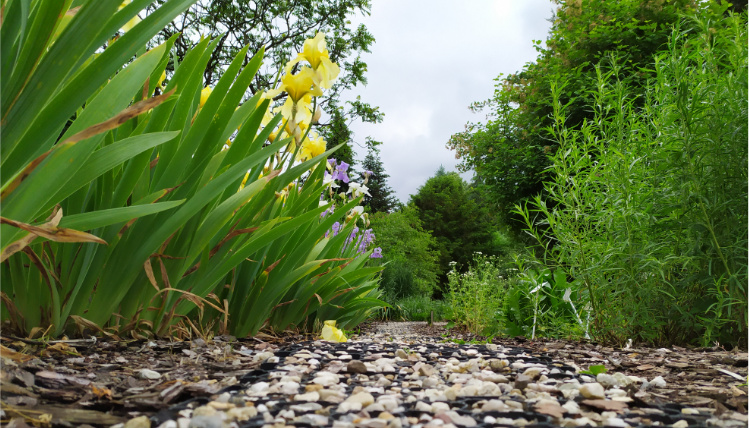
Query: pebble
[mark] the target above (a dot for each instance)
(139, 422)
(658, 382)
(149, 374)
(363, 398)
(391, 381)
(356, 366)
(522, 381)
(592, 390)
(202, 421)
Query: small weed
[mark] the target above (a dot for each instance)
(594, 370)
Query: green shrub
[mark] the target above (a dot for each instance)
(540, 303)
(409, 252)
(647, 207)
(418, 308)
(398, 280)
(476, 296)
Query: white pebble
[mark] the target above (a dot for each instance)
(658, 382)
(592, 390)
(310, 396)
(149, 374)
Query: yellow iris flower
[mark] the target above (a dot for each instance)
(300, 111)
(315, 52)
(297, 85)
(331, 333)
(313, 146)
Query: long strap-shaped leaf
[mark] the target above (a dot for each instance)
(37, 187)
(19, 114)
(31, 121)
(103, 305)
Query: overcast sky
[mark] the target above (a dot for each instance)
(431, 59)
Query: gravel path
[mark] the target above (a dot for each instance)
(405, 330)
(392, 375)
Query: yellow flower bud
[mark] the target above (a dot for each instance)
(316, 116)
(204, 94)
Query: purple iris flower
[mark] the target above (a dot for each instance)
(367, 238)
(351, 237)
(340, 172)
(376, 254)
(336, 228)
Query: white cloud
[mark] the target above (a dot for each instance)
(430, 61)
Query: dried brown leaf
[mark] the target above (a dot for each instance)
(101, 392)
(15, 356)
(48, 230)
(60, 348)
(149, 273)
(84, 324)
(134, 110)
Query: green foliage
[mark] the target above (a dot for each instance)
(418, 308)
(511, 152)
(47, 76)
(449, 209)
(381, 199)
(153, 183)
(398, 280)
(647, 203)
(409, 253)
(535, 305)
(499, 295)
(476, 296)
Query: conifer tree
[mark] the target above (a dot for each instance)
(381, 197)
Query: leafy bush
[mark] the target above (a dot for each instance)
(647, 207)
(398, 280)
(510, 152)
(417, 308)
(409, 253)
(540, 303)
(476, 296)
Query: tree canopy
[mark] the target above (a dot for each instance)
(510, 152)
(280, 27)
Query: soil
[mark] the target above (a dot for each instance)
(103, 382)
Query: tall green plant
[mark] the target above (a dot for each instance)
(476, 296)
(647, 206)
(155, 182)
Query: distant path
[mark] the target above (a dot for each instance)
(404, 329)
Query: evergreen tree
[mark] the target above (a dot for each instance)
(459, 222)
(381, 197)
(335, 132)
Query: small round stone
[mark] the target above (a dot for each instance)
(592, 390)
